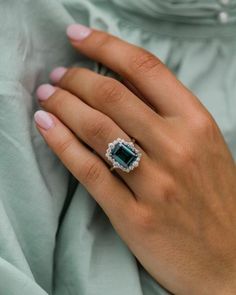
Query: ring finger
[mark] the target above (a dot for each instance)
(94, 128)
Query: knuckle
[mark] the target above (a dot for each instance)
(70, 76)
(144, 218)
(110, 91)
(91, 171)
(99, 128)
(204, 124)
(102, 40)
(64, 146)
(167, 190)
(183, 156)
(56, 105)
(144, 62)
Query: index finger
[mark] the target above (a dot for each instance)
(144, 70)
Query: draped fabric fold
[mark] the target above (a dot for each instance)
(185, 11)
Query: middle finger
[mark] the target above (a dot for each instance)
(115, 100)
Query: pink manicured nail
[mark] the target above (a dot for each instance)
(78, 32)
(57, 74)
(45, 91)
(44, 120)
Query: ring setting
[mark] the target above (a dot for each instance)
(123, 155)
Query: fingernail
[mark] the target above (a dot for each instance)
(45, 91)
(57, 74)
(78, 32)
(44, 120)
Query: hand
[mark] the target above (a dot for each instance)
(176, 211)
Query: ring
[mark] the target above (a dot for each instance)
(123, 155)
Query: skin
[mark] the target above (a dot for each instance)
(176, 211)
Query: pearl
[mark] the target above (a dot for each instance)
(224, 2)
(223, 17)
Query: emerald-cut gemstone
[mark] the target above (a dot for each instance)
(123, 154)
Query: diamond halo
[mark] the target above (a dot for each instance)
(123, 155)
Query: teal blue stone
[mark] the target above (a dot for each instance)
(123, 154)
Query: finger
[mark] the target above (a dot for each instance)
(145, 71)
(134, 90)
(112, 195)
(115, 100)
(92, 127)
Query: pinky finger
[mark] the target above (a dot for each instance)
(108, 190)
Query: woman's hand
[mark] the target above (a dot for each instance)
(177, 210)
